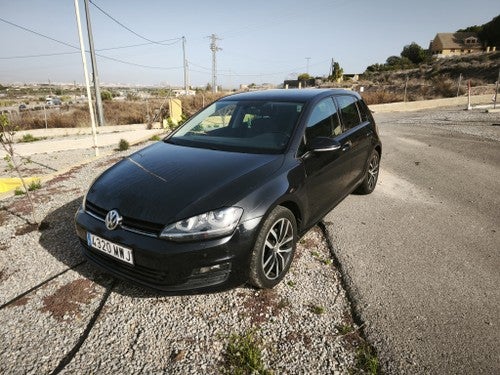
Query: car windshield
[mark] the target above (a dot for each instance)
(241, 126)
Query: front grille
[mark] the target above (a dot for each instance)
(172, 280)
(128, 223)
(136, 271)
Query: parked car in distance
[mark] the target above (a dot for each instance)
(224, 199)
(22, 107)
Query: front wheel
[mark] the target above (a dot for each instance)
(274, 248)
(371, 176)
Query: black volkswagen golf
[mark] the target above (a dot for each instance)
(224, 199)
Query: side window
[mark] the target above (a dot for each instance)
(348, 110)
(323, 121)
(364, 111)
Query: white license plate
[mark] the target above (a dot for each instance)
(110, 248)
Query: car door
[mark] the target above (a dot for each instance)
(326, 172)
(358, 130)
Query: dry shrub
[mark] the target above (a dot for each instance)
(125, 112)
(193, 103)
(378, 97)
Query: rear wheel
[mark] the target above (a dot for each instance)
(371, 176)
(274, 249)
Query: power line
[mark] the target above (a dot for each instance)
(129, 29)
(37, 33)
(72, 53)
(75, 47)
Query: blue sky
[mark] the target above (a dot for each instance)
(261, 40)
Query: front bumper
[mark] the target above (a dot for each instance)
(170, 266)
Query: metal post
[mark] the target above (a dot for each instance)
(185, 65)
(45, 115)
(496, 91)
(85, 73)
(469, 107)
(95, 76)
(459, 82)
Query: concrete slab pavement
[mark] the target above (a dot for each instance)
(81, 138)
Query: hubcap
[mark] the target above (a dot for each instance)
(278, 248)
(373, 172)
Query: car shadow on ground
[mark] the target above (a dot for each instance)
(58, 237)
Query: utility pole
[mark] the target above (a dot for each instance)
(214, 48)
(185, 65)
(95, 76)
(496, 91)
(84, 61)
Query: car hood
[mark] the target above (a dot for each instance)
(164, 183)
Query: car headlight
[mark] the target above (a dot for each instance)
(218, 223)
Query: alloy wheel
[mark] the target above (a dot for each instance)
(278, 248)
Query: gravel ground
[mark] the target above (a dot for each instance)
(60, 314)
(475, 122)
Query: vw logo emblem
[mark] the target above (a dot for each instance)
(113, 219)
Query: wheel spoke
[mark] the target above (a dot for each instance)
(266, 262)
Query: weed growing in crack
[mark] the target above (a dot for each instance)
(34, 185)
(345, 329)
(367, 360)
(315, 309)
(244, 356)
(19, 191)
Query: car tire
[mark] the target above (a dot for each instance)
(274, 249)
(371, 176)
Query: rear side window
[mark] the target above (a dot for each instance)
(349, 110)
(364, 111)
(323, 121)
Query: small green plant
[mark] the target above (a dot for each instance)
(318, 310)
(34, 185)
(291, 283)
(243, 355)
(344, 329)
(327, 261)
(123, 145)
(315, 254)
(30, 138)
(366, 359)
(19, 191)
(8, 160)
(155, 138)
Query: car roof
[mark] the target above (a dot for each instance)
(300, 95)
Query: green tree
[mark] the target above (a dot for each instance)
(337, 72)
(304, 77)
(414, 53)
(106, 95)
(490, 33)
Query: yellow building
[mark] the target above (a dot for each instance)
(453, 44)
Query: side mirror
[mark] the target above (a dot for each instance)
(323, 144)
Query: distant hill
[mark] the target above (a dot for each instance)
(437, 78)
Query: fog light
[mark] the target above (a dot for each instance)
(209, 269)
